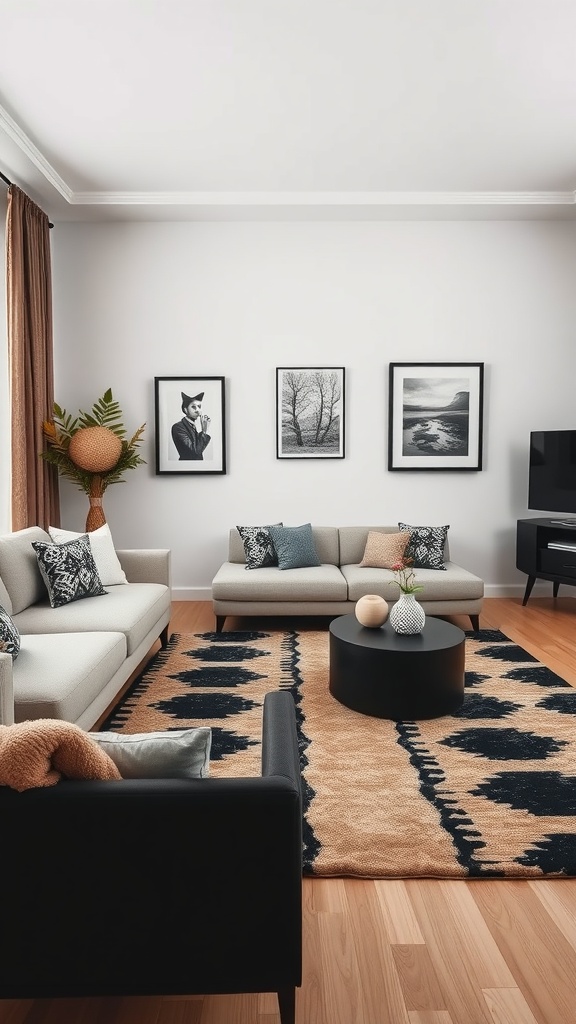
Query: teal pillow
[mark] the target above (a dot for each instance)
(294, 546)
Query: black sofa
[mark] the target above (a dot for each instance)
(148, 887)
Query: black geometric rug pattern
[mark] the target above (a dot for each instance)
(489, 791)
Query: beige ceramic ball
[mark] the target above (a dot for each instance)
(95, 449)
(371, 611)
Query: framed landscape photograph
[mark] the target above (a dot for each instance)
(310, 412)
(190, 417)
(435, 416)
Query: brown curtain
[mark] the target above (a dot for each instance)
(35, 498)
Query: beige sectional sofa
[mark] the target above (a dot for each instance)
(334, 587)
(74, 659)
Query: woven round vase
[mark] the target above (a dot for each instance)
(371, 611)
(406, 615)
(95, 449)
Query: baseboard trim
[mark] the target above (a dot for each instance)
(540, 589)
(191, 593)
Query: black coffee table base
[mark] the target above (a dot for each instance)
(387, 675)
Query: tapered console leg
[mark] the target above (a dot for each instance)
(287, 1005)
(530, 583)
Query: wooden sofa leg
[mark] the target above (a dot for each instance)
(475, 620)
(287, 1005)
(220, 620)
(164, 637)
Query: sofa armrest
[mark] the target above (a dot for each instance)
(6, 690)
(146, 565)
(169, 886)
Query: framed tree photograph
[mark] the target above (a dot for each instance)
(190, 416)
(435, 416)
(310, 412)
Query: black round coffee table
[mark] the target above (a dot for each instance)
(391, 675)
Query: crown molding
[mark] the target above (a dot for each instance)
(323, 199)
(27, 147)
(377, 203)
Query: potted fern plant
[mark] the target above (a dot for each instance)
(92, 450)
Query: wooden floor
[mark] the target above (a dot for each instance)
(401, 952)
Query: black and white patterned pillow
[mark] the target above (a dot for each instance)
(68, 570)
(426, 545)
(9, 634)
(258, 546)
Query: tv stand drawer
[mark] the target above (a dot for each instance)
(563, 563)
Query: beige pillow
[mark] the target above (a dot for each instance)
(383, 550)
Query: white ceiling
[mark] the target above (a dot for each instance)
(182, 109)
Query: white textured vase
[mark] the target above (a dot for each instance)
(406, 615)
(371, 611)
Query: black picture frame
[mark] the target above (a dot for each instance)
(310, 412)
(435, 416)
(180, 446)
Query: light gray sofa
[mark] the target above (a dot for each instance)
(74, 659)
(334, 587)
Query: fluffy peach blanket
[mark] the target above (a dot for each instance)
(41, 752)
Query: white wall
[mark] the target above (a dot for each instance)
(135, 301)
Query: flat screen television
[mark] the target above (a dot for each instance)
(552, 473)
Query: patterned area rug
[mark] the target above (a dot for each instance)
(489, 791)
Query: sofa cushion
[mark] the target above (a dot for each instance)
(294, 546)
(383, 550)
(258, 547)
(19, 567)
(108, 565)
(9, 634)
(58, 676)
(181, 754)
(456, 584)
(69, 571)
(130, 608)
(313, 583)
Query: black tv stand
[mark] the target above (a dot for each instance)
(538, 560)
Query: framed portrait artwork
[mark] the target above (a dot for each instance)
(310, 412)
(435, 416)
(190, 417)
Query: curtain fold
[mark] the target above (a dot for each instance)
(35, 495)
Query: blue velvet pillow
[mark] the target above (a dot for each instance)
(294, 546)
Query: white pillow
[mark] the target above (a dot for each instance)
(109, 569)
(181, 754)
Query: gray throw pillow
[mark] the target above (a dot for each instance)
(68, 570)
(426, 545)
(294, 546)
(180, 754)
(9, 634)
(258, 547)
